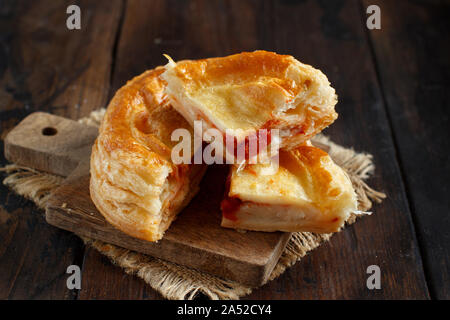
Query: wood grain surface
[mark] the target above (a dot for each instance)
(46, 67)
(414, 70)
(393, 102)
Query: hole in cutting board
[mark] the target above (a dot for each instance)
(49, 131)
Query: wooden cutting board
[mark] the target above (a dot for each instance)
(61, 146)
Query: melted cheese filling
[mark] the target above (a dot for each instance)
(307, 193)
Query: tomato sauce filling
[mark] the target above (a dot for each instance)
(260, 140)
(230, 205)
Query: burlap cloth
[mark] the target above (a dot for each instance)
(178, 282)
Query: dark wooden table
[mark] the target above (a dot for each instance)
(394, 101)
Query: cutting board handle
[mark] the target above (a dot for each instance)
(49, 143)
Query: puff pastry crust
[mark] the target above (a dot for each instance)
(308, 192)
(251, 91)
(133, 182)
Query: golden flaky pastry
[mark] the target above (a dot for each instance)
(134, 184)
(308, 192)
(251, 91)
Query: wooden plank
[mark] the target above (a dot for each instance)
(412, 54)
(120, 286)
(330, 35)
(183, 29)
(46, 67)
(248, 258)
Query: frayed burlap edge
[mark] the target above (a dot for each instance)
(178, 282)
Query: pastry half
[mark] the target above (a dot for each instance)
(134, 183)
(250, 91)
(308, 192)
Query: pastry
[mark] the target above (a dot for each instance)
(308, 192)
(134, 183)
(250, 91)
